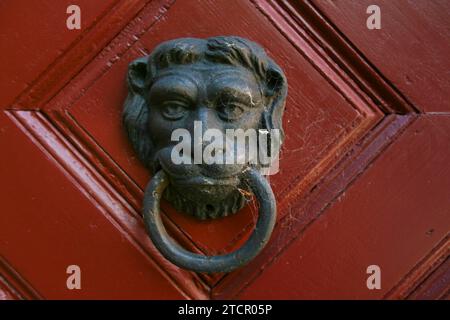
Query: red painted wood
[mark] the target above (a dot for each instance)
(423, 272)
(48, 223)
(321, 121)
(358, 184)
(6, 292)
(305, 210)
(343, 53)
(13, 285)
(436, 286)
(411, 49)
(33, 34)
(392, 216)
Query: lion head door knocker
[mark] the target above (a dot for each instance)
(204, 115)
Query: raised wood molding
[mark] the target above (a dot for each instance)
(58, 133)
(88, 46)
(308, 209)
(13, 285)
(425, 275)
(436, 286)
(338, 48)
(94, 186)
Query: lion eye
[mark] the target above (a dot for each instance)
(230, 111)
(174, 110)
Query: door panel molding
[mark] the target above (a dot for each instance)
(60, 109)
(13, 285)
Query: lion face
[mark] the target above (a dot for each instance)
(186, 86)
(215, 97)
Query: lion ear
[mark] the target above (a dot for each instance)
(276, 90)
(135, 115)
(137, 74)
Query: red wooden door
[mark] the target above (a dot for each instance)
(364, 173)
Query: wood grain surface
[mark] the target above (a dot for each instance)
(364, 173)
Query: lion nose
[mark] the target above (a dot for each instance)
(206, 125)
(209, 139)
(212, 151)
(208, 119)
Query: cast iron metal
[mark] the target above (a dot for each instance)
(225, 83)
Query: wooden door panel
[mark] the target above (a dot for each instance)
(322, 132)
(70, 59)
(354, 185)
(411, 49)
(334, 118)
(373, 222)
(34, 51)
(433, 286)
(45, 234)
(6, 292)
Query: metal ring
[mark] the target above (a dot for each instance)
(209, 264)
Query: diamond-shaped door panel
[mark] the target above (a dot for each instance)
(338, 121)
(318, 120)
(324, 117)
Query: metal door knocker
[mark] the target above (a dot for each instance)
(205, 116)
